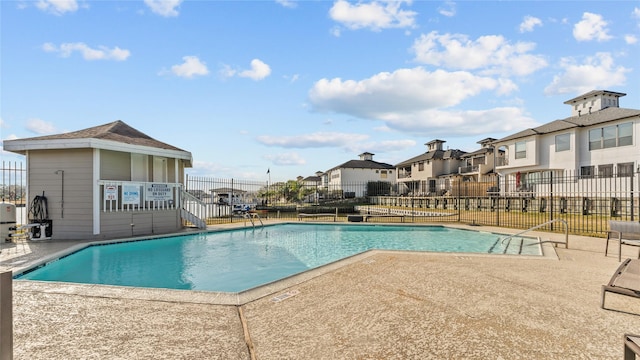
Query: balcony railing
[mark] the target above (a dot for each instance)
(469, 169)
(502, 161)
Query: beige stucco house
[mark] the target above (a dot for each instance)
(106, 181)
(429, 173)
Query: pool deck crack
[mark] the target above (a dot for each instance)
(247, 335)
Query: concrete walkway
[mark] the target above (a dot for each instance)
(382, 305)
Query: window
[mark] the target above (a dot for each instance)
(521, 150)
(595, 137)
(587, 171)
(563, 142)
(625, 169)
(611, 136)
(383, 174)
(605, 170)
(421, 166)
(625, 134)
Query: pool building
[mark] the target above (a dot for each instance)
(105, 182)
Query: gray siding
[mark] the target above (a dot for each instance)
(139, 223)
(75, 219)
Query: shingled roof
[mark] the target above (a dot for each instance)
(594, 118)
(433, 155)
(117, 131)
(363, 164)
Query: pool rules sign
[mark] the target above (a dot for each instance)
(158, 192)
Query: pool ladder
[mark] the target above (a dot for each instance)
(566, 235)
(252, 216)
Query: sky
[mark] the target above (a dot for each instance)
(295, 87)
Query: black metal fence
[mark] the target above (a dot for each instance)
(585, 203)
(14, 177)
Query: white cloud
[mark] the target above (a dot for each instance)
(259, 70)
(448, 9)
(414, 100)
(595, 72)
(287, 3)
(376, 15)
(292, 78)
(630, 39)
(529, 23)
(57, 7)
(491, 54)
(591, 27)
(463, 123)
(192, 66)
(166, 8)
(388, 95)
(226, 71)
(388, 145)
(314, 140)
(285, 159)
(40, 127)
(88, 53)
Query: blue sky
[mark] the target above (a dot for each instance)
(302, 86)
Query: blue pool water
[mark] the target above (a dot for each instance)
(237, 260)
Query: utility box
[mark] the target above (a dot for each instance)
(7, 220)
(43, 230)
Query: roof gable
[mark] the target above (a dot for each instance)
(116, 135)
(593, 119)
(363, 164)
(117, 131)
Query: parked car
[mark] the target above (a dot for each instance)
(239, 209)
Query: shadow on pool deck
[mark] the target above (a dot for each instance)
(385, 305)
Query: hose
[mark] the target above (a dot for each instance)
(39, 210)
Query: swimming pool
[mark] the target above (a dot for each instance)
(237, 260)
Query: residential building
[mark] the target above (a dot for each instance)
(599, 139)
(480, 163)
(430, 172)
(347, 179)
(312, 186)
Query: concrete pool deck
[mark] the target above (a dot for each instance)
(385, 305)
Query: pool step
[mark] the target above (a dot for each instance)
(511, 243)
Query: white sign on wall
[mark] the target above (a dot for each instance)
(110, 192)
(131, 194)
(158, 192)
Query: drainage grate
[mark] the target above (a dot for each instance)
(285, 296)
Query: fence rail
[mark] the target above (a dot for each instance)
(586, 203)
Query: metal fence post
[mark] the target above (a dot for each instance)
(551, 198)
(6, 316)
